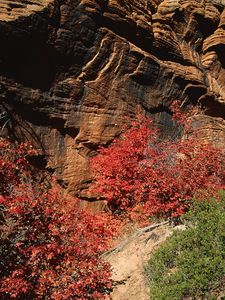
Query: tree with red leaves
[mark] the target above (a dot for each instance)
(140, 174)
(50, 249)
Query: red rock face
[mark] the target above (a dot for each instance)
(73, 71)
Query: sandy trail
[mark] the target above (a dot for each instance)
(128, 263)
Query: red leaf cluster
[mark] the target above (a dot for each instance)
(50, 249)
(140, 174)
(14, 167)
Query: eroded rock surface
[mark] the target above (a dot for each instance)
(72, 70)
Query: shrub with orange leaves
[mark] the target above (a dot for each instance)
(140, 174)
(50, 249)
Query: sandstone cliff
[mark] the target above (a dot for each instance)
(71, 70)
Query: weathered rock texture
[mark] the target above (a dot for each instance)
(71, 70)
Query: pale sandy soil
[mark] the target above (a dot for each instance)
(128, 262)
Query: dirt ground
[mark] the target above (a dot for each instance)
(128, 260)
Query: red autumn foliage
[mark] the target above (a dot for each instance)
(141, 175)
(14, 166)
(50, 249)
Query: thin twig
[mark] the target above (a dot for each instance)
(3, 127)
(139, 232)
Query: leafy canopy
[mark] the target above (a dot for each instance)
(49, 247)
(141, 174)
(192, 262)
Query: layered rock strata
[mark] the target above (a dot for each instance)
(73, 71)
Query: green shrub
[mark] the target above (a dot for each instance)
(191, 264)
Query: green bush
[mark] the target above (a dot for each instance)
(191, 264)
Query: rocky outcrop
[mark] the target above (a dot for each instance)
(12, 10)
(73, 71)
